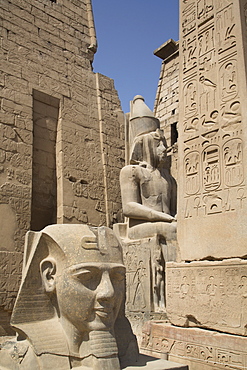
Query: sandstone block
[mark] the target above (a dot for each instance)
(200, 349)
(212, 130)
(151, 363)
(208, 294)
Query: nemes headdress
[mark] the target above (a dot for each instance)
(34, 315)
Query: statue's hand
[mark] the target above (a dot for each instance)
(161, 216)
(170, 218)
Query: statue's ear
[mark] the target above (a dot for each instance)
(48, 273)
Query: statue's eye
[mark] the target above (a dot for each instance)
(83, 275)
(90, 277)
(118, 274)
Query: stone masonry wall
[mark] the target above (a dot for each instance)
(166, 101)
(47, 50)
(166, 105)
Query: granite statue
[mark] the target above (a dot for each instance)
(148, 190)
(69, 312)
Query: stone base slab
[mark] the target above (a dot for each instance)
(207, 294)
(138, 319)
(199, 348)
(150, 363)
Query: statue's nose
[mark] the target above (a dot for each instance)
(105, 289)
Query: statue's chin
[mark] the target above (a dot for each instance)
(102, 321)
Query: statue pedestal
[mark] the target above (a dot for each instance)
(197, 348)
(145, 277)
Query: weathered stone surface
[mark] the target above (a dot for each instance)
(148, 190)
(198, 348)
(212, 129)
(149, 201)
(61, 125)
(145, 273)
(166, 105)
(70, 306)
(208, 294)
(145, 279)
(149, 363)
(10, 278)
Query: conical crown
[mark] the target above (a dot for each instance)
(141, 121)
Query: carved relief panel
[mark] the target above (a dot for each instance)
(195, 291)
(204, 10)
(226, 25)
(188, 20)
(145, 275)
(192, 173)
(211, 168)
(137, 262)
(211, 131)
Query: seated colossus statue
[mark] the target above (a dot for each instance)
(148, 190)
(149, 194)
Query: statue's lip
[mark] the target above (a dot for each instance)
(103, 311)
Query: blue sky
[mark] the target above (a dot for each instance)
(128, 31)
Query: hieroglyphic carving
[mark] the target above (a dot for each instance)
(233, 162)
(80, 189)
(10, 276)
(206, 52)
(190, 96)
(231, 116)
(74, 213)
(183, 344)
(196, 291)
(225, 27)
(190, 106)
(145, 275)
(241, 196)
(222, 201)
(189, 46)
(210, 96)
(156, 343)
(228, 80)
(212, 115)
(204, 9)
(137, 278)
(192, 172)
(18, 197)
(208, 110)
(211, 168)
(221, 4)
(213, 204)
(189, 18)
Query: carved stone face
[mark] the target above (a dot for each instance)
(84, 276)
(89, 295)
(150, 148)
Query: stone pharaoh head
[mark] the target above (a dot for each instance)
(73, 283)
(150, 148)
(146, 140)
